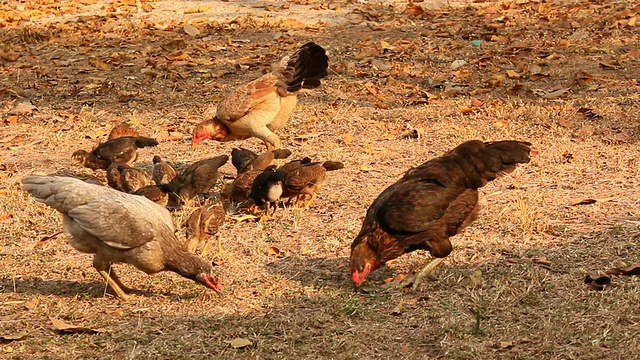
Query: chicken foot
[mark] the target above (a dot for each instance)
(417, 278)
(427, 270)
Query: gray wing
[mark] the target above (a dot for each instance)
(119, 220)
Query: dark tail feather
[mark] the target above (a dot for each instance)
(332, 165)
(306, 67)
(501, 157)
(281, 153)
(142, 142)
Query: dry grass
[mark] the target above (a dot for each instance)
(300, 304)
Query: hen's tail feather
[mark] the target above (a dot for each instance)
(306, 67)
(501, 157)
(142, 142)
(332, 165)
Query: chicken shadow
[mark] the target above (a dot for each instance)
(320, 272)
(67, 288)
(38, 286)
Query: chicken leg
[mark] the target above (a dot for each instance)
(271, 140)
(307, 205)
(113, 284)
(219, 243)
(417, 278)
(426, 271)
(205, 247)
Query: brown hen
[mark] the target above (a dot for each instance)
(264, 105)
(430, 204)
(119, 228)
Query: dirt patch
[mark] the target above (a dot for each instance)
(562, 75)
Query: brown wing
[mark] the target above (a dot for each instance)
(117, 150)
(155, 194)
(237, 104)
(262, 161)
(198, 178)
(414, 206)
(113, 177)
(424, 215)
(163, 172)
(241, 158)
(303, 178)
(241, 186)
(134, 179)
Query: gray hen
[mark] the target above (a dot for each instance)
(119, 228)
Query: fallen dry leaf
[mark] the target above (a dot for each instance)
(65, 328)
(11, 120)
(513, 74)
(15, 336)
(541, 260)
(23, 108)
(473, 280)
(629, 271)
(551, 95)
(239, 343)
(619, 138)
(613, 65)
(565, 123)
(398, 309)
(591, 201)
(199, 9)
(597, 282)
(272, 250)
(241, 218)
(191, 30)
(476, 103)
(590, 113)
(465, 109)
(31, 304)
(414, 9)
(373, 91)
(45, 239)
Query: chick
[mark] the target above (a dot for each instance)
(121, 150)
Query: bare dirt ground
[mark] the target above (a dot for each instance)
(563, 75)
